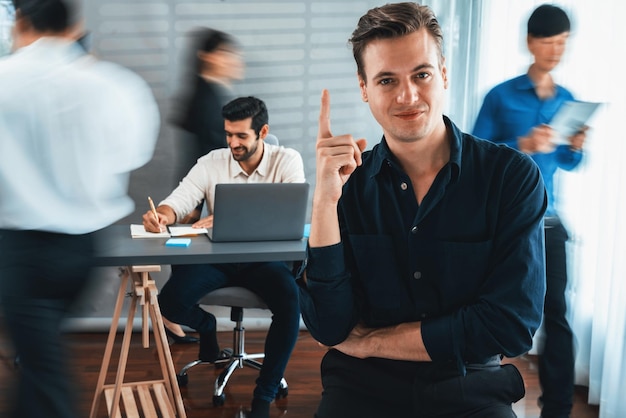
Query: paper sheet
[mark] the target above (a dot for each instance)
(570, 118)
(189, 231)
(138, 231)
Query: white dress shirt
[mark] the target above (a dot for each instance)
(71, 129)
(278, 165)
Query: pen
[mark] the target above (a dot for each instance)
(156, 215)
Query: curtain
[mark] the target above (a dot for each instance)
(7, 15)
(592, 198)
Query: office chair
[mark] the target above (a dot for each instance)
(238, 299)
(271, 139)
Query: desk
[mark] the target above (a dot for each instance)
(139, 257)
(117, 248)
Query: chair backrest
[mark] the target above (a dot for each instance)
(271, 139)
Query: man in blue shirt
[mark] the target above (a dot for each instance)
(517, 113)
(425, 258)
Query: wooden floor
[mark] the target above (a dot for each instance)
(302, 376)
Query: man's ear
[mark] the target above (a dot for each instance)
(265, 129)
(363, 88)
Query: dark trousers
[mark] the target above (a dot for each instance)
(41, 275)
(374, 388)
(556, 362)
(272, 281)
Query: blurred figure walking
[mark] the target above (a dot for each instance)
(72, 129)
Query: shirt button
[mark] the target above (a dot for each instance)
(404, 186)
(414, 230)
(423, 315)
(417, 275)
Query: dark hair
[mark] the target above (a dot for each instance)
(48, 15)
(548, 20)
(245, 107)
(209, 40)
(393, 21)
(199, 39)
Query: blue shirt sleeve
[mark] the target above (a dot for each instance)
(487, 126)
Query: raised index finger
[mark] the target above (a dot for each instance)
(324, 120)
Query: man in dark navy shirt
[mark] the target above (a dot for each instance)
(425, 261)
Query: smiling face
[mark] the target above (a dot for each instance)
(547, 51)
(243, 140)
(405, 85)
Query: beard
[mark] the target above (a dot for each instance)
(242, 153)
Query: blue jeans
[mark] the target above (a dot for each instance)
(556, 362)
(272, 281)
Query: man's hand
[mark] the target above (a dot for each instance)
(397, 342)
(337, 156)
(539, 140)
(577, 140)
(206, 222)
(358, 344)
(165, 215)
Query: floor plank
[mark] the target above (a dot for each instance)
(302, 376)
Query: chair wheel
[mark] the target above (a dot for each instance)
(282, 392)
(182, 379)
(219, 400)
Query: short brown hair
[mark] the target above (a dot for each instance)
(392, 21)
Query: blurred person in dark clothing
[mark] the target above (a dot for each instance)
(72, 129)
(214, 63)
(207, 86)
(425, 255)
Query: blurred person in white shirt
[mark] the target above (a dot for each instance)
(72, 129)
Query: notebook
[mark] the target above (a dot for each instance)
(571, 117)
(259, 212)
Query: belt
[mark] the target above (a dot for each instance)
(551, 221)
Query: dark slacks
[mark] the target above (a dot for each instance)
(272, 281)
(374, 388)
(556, 362)
(41, 275)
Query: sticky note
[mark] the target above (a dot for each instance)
(178, 242)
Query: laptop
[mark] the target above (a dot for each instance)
(259, 212)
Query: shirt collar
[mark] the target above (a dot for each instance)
(50, 48)
(524, 82)
(382, 156)
(262, 169)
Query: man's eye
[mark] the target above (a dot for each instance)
(422, 75)
(385, 81)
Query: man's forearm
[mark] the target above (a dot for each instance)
(324, 225)
(398, 342)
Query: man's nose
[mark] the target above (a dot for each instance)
(407, 93)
